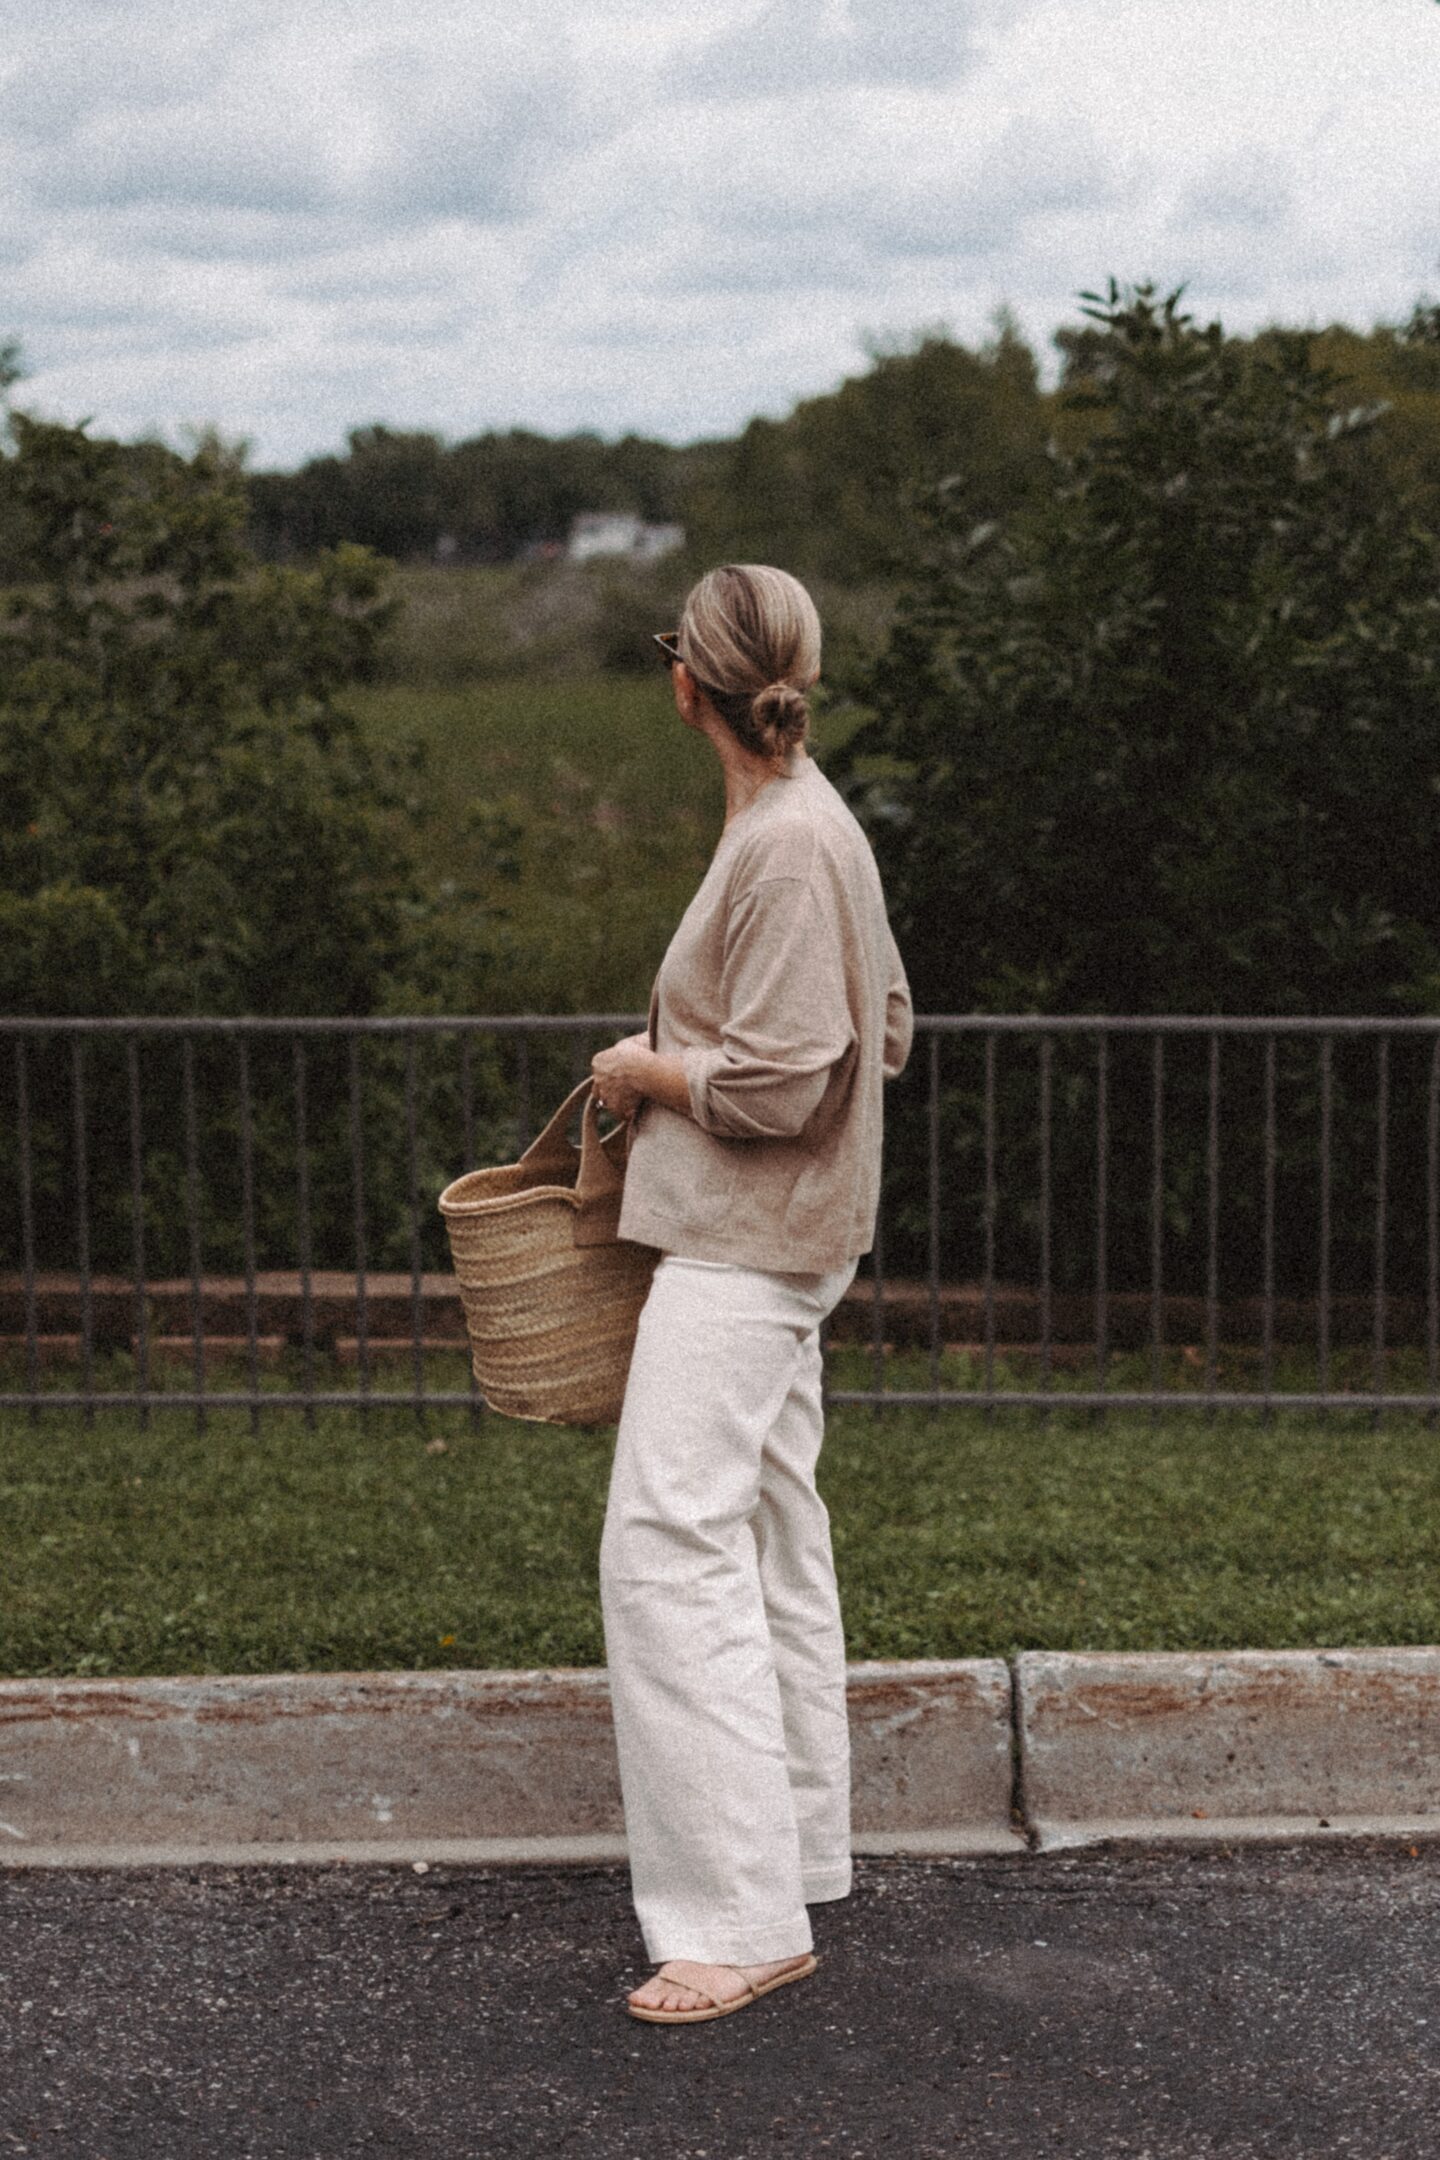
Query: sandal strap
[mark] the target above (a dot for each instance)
(672, 1980)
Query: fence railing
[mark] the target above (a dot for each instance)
(241, 1213)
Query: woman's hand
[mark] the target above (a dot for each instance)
(631, 1073)
(617, 1076)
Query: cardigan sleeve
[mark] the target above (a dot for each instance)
(899, 1017)
(787, 1017)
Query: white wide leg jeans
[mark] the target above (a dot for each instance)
(722, 1623)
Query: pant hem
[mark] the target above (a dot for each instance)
(821, 1888)
(759, 1947)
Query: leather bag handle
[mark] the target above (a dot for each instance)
(600, 1183)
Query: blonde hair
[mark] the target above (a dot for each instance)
(750, 636)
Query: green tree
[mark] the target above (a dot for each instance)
(1165, 740)
(192, 824)
(11, 371)
(1399, 365)
(175, 768)
(1144, 739)
(829, 490)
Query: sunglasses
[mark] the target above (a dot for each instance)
(669, 644)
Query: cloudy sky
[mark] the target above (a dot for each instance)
(291, 218)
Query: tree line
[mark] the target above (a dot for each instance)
(832, 489)
(825, 489)
(829, 490)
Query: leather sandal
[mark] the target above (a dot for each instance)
(731, 2002)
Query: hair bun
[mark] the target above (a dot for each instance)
(781, 713)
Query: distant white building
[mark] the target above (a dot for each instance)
(615, 532)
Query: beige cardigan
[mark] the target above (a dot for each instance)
(784, 996)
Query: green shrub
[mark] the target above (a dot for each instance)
(1164, 741)
(192, 823)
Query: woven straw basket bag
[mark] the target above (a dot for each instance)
(552, 1295)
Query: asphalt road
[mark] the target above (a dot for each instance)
(1153, 2004)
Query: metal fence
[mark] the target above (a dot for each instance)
(1039, 1168)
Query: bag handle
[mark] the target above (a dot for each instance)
(600, 1183)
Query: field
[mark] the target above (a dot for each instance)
(578, 809)
(562, 800)
(581, 814)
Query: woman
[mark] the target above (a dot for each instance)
(754, 1167)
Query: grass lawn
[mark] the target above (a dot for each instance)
(578, 808)
(385, 1541)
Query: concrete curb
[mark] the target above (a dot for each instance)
(473, 1766)
(949, 1757)
(1236, 1745)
